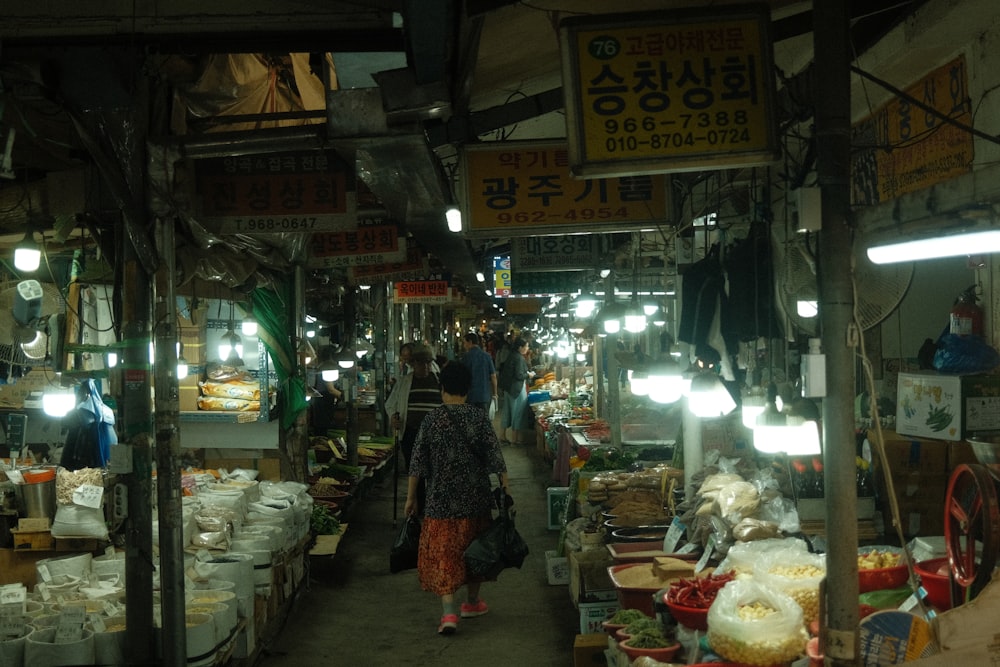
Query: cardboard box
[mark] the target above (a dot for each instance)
(908, 455)
(193, 341)
(592, 614)
(187, 394)
(588, 650)
(946, 407)
(588, 577)
(558, 498)
(14, 393)
(28, 525)
(556, 568)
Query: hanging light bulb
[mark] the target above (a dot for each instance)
(753, 405)
(794, 433)
(635, 319)
(345, 358)
(708, 397)
(585, 303)
(230, 345)
(27, 255)
(454, 217)
(639, 383)
(57, 401)
(112, 359)
(665, 382)
(330, 374)
(249, 325)
(182, 364)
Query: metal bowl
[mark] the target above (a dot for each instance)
(987, 451)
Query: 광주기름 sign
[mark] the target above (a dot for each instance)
(659, 92)
(296, 192)
(525, 189)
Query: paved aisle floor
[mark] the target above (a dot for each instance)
(355, 613)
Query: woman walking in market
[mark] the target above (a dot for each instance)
(513, 381)
(455, 452)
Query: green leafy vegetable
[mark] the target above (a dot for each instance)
(322, 521)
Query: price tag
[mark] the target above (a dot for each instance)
(703, 561)
(97, 623)
(13, 594)
(11, 620)
(68, 634)
(88, 495)
(688, 548)
(15, 476)
(203, 555)
(111, 609)
(673, 535)
(43, 588)
(43, 572)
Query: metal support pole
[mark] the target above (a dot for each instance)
(349, 378)
(836, 305)
(168, 454)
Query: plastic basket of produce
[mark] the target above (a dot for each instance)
(881, 568)
(935, 577)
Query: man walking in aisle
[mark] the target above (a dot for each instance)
(484, 374)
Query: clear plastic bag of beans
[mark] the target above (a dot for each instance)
(754, 625)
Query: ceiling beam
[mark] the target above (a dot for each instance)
(467, 129)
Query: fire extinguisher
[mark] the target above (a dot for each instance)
(966, 318)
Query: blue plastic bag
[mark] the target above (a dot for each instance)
(964, 354)
(91, 431)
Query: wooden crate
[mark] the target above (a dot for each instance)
(34, 540)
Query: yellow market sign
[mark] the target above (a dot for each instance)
(902, 148)
(661, 92)
(526, 189)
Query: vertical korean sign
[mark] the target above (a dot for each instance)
(669, 91)
(501, 277)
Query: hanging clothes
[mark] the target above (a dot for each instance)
(705, 309)
(749, 267)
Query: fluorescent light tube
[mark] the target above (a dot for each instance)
(951, 245)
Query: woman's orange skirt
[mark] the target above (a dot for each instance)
(440, 559)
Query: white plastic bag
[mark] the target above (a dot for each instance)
(797, 575)
(79, 521)
(754, 625)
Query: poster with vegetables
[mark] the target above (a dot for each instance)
(929, 406)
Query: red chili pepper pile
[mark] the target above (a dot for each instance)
(699, 592)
